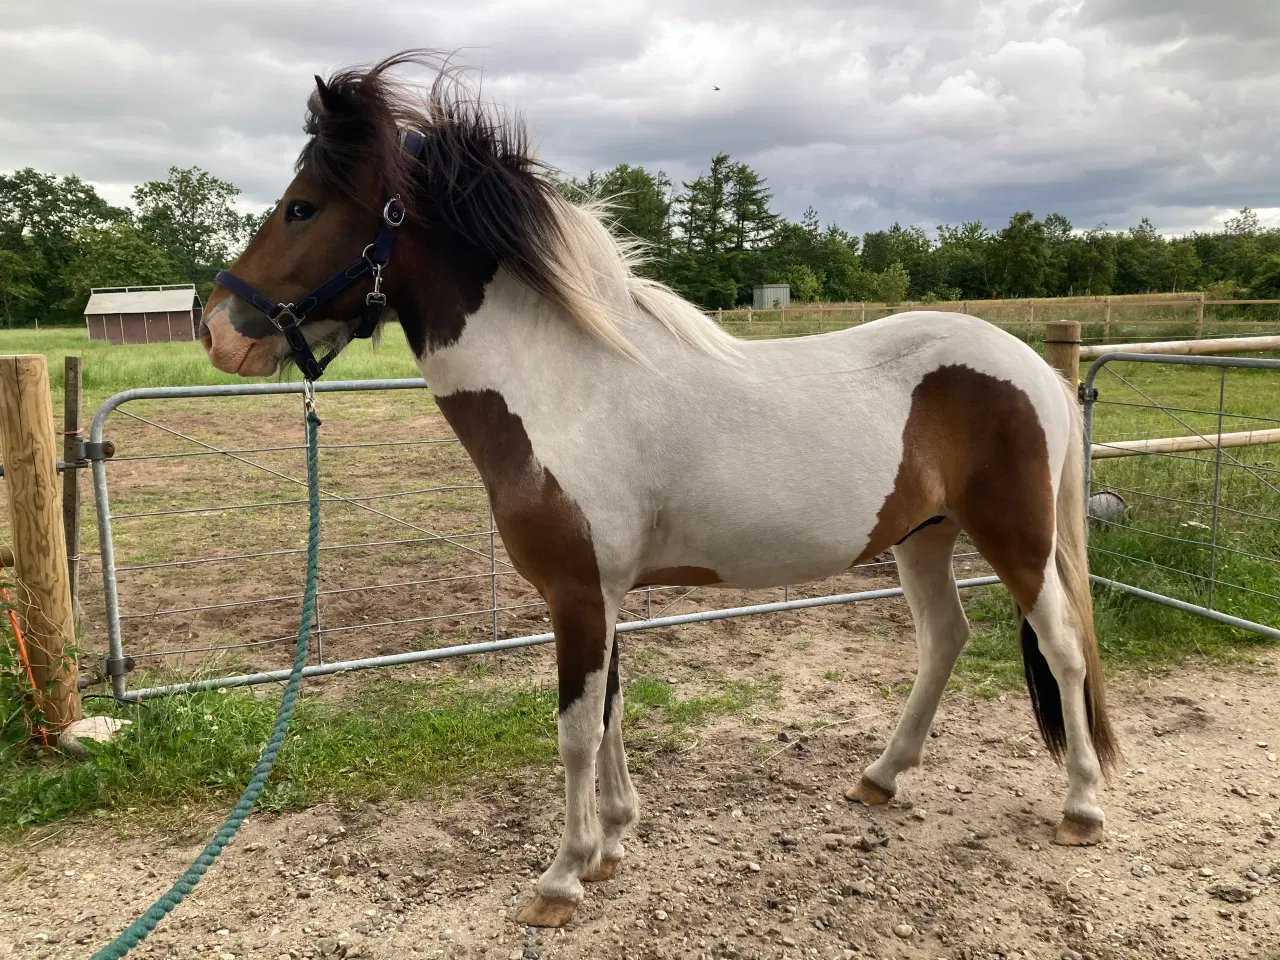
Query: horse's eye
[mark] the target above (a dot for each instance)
(298, 210)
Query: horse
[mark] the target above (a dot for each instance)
(625, 439)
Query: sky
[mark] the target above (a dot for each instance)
(916, 111)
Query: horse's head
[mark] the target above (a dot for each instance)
(458, 188)
(318, 252)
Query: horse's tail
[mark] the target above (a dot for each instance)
(1072, 563)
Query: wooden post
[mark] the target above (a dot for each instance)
(72, 434)
(820, 305)
(1200, 317)
(1062, 348)
(782, 319)
(1031, 311)
(862, 311)
(749, 331)
(41, 593)
(1106, 319)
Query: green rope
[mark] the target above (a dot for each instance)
(137, 931)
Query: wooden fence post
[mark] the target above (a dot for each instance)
(1106, 319)
(1200, 317)
(862, 311)
(42, 594)
(1062, 348)
(72, 434)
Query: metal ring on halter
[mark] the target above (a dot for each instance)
(286, 310)
(389, 210)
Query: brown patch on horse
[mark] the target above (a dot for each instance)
(546, 534)
(973, 449)
(444, 283)
(678, 577)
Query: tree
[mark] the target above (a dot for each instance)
(190, 215)
(639, 203)
(39, 216)
(892, 283)
(749, 215)
(703, 209)
(114, 255)
(15, 285)
(1140, 260)
(1020, 255)
(804, 283)
(1266, 284)
(964, 259)
(1183, 266)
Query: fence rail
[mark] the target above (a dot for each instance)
(1105, 319)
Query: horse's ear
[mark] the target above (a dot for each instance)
(327, 99)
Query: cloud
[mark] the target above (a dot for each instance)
(922, 111)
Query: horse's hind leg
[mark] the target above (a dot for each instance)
(925, 568)
(618, 805)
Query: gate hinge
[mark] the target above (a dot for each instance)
(112, 667)
(102, 450)
(1086, 394)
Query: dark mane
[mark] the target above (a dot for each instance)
(478, 179)
(476, 175)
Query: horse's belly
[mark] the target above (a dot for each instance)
(769, 547)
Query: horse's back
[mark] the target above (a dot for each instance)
(786, 473)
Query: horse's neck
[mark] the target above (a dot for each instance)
(518, 345)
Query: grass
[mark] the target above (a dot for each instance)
(389, 739)
(109, 369)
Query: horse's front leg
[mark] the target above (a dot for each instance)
(583, 623)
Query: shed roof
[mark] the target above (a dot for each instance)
(141, 299)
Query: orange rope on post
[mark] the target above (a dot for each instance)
(24, 660)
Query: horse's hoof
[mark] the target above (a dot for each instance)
(1078, 833)
(868, 792)
(547, 912)
(603, 872)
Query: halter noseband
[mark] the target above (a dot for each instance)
(288, 317)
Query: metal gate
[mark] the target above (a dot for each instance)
(490, 590)
(1193, 520)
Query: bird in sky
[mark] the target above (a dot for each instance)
(714, 87)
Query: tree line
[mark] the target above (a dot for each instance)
(59, 238)
(712, 238)
(715, 237)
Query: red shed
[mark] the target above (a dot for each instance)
(143, 314)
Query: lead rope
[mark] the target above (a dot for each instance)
(138, 931)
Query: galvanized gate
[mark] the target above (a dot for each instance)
(507, 610)
(1194, 521)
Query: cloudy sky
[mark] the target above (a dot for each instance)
(921, 111)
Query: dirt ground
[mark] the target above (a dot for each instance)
(746, 847)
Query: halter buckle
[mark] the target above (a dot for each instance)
(393, 213)
(286, 312)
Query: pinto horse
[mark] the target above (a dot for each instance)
(625, 439)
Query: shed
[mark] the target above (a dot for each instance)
(771, 296)
(161, 314)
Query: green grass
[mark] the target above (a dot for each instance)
(111, 368)
(387, 740)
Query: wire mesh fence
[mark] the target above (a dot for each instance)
(1192, 515)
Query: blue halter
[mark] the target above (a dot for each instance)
(288, 317)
